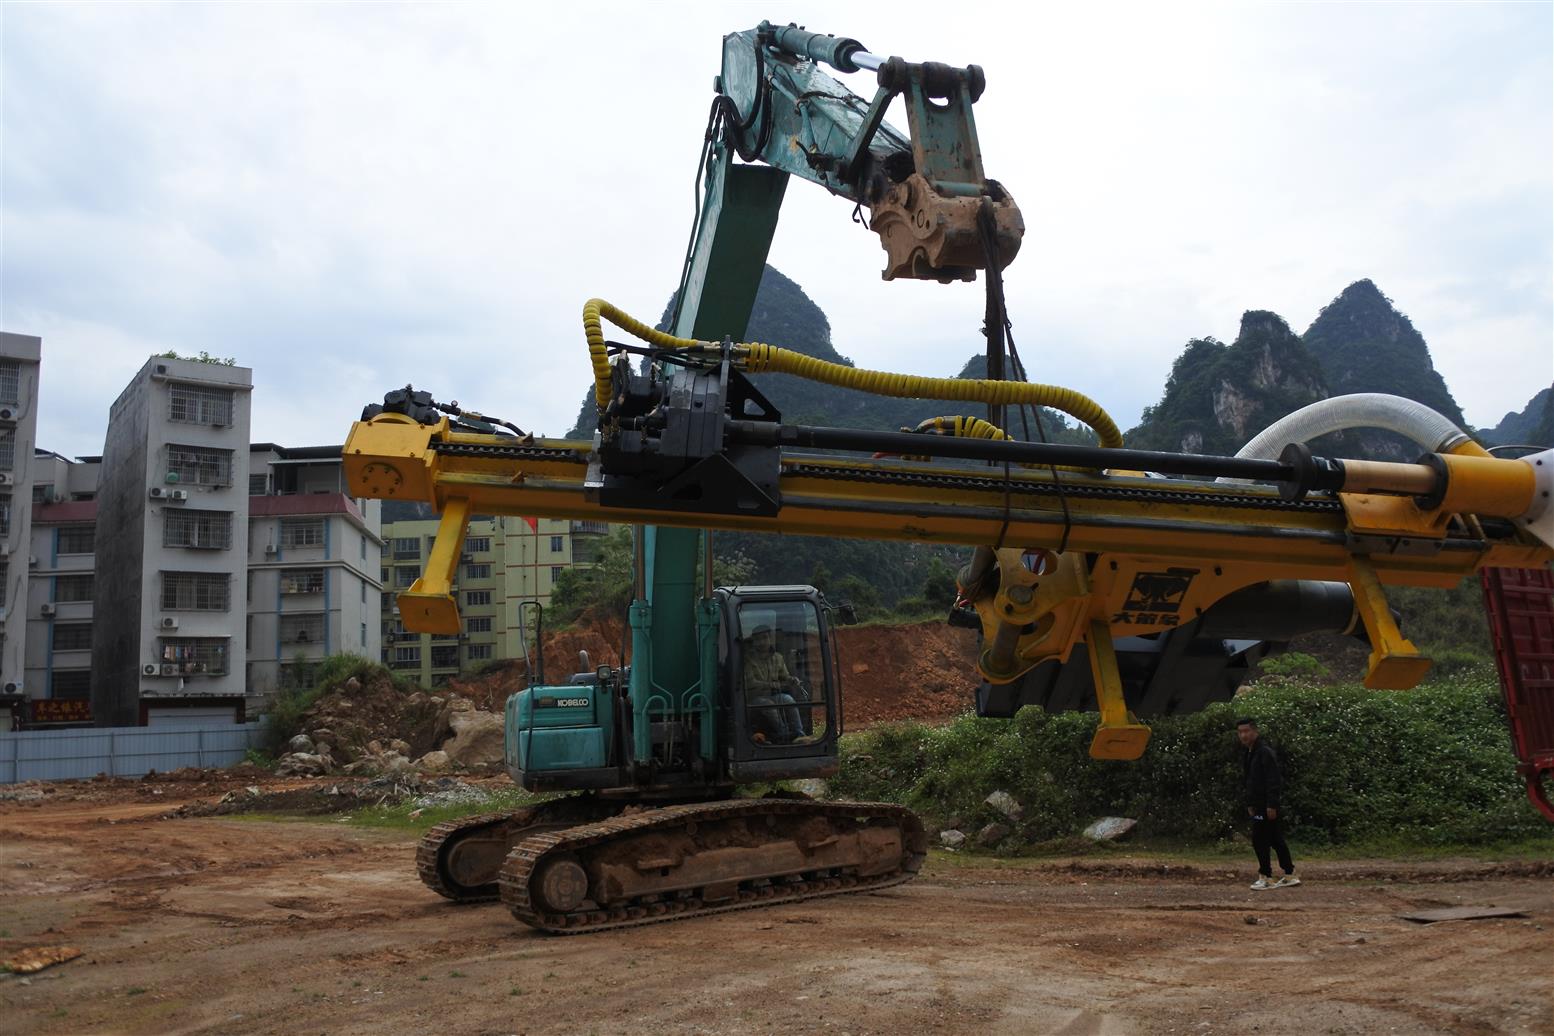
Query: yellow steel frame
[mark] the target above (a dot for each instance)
(1045, 603)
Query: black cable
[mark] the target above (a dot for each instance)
(998, 304)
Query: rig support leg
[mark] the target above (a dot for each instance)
(1119, 736)
(428, 606)
(1395, 663)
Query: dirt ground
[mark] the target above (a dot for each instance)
(312, 926)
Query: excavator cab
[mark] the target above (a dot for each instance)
(779, 665)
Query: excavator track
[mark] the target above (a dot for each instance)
(683, 861)
(459, 859)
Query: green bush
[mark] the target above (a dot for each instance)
(1426, 767)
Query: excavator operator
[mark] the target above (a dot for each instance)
(769, 687)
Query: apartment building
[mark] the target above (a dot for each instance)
(60, 587)
(506, 561)
(313, 553)
(172, 503)
(20, 359)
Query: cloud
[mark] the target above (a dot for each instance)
(347, 198)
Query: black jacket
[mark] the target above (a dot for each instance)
(1261, 779)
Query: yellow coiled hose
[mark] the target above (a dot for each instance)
(759, 358)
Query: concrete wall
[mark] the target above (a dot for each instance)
(116, 601)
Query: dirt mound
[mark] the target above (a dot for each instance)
(371, 708)
(924, 671)
(490, 689)
(921, 671)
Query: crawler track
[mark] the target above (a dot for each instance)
(476, 880)
(682, 861)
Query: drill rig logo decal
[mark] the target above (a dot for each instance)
(1155, 598)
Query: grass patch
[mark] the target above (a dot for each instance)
(397, 817)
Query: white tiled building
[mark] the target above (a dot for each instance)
(20, 357)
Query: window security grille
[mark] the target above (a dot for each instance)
(75, 636)
(196, 591)
(190, 404)
(197, 466)
(195, 656)
(72, 588)
(302, 629)
(77, 539)
(303, 581)
(200, 530)
(302, 532)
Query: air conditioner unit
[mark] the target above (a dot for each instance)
(5, 550)
(169, 668)
(157, 492)
(7, 413)
(170, 622)
(149, 669)
(6, 479)
(271, 550)
(32, 561)
(47, 610)
(178, 494)
(13, 688)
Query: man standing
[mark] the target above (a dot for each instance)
(1261, 782)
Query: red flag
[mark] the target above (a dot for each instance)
(534, 524)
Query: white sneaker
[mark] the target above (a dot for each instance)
(1286, 882)
(1261, 884)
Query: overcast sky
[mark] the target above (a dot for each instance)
(348, 198)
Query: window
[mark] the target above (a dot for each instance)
(477, 545)
(5, 577)
(303, 629)
(71, 683)
(383, 576)
(557, 544)
(364, 591)
(479, 652)
(407, 547)
(196, 465)
(201, 530)
(193, 405)
(42, 492)
(302, 581)
(555, 572)
(195, 656)
(196, 591)
(407, 575)
(475, 598)
(73, 636)
(73, 588)
(364, 546)
(5, 514)
(364, 634)
(7, 448)
(76, 539)
(446, 657)
(407, 657)
(302, 532)
(10, 381)
(258, 485)
(479, 624)
(477, 571)
(784, 681)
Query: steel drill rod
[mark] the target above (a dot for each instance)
(759, 433)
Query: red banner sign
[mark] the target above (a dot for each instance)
(62, 710)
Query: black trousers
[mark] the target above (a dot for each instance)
(1269, 834)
